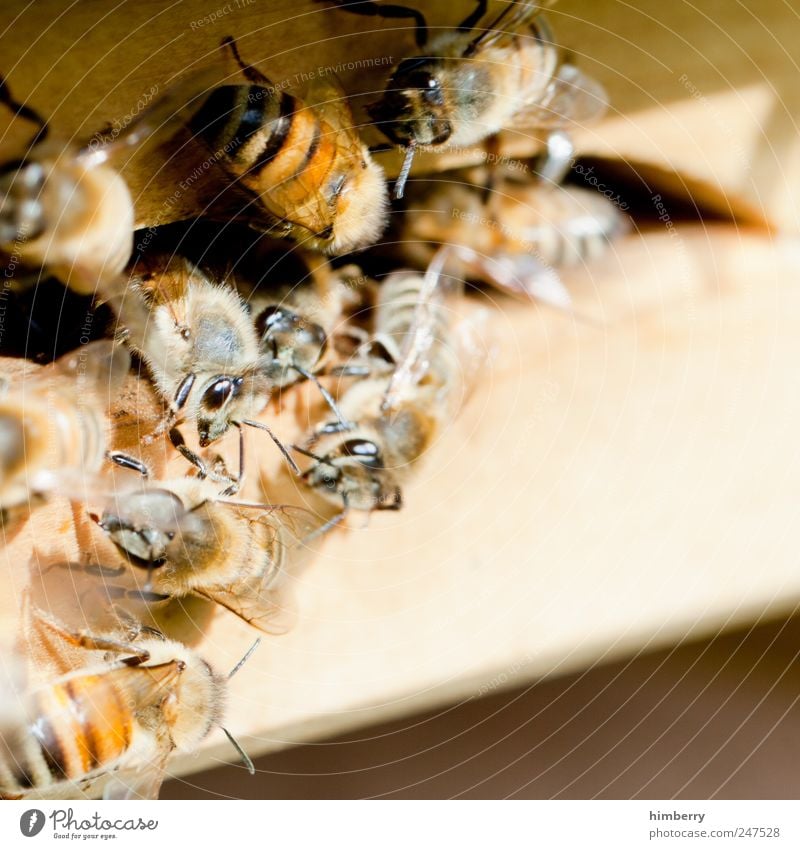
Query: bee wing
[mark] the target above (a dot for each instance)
(518, 274)
(141, 783)
(159, 114)
(508, 23)
(328, 99)
(81, 598)
(98, 368)
(265, 601)
(415, 352)
(572, 98)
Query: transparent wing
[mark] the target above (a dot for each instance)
(328, 99)
(518, 274)
(265, 601)
(98, 369)
(155, 113)
(85, 599)
(508, 23)
(415, 352)
(572, 99)
(141, 783)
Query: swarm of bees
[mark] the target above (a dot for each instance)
(102, 697)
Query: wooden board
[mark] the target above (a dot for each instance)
(608, 488)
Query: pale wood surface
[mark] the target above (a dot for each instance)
(606, 490)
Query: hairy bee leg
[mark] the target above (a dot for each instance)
(558, 158)
(85, 640)
(128, 462)
(388, 10)
(179, 443)
(472, 19)
(252, 74)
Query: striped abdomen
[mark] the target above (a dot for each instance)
(44, 437)
(76, 727)
(566, 226)
(397, 316)
(279, 149)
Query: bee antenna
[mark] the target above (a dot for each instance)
(281, 447)
(307, 453)
(307, 375)
(242, 662)
(402, 177)
(246, 759)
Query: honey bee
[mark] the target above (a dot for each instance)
(200, 346)
(516, 239)
(67, 209)
(53, 427)
(397, 417)
(470, 83)
(235, 553)
(121, 717)
(297, 323)
(300, 165)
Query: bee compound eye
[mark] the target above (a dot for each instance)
(367, 453)
(221, 391)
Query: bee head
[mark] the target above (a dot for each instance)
(355, 469)
(144, 524)
(413, 108)
(226, 399)
(287, 338)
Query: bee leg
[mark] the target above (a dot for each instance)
(27, 112)
(472, 19)
(492, 150)
(281, 447)
(85, 640)
(237, 484)
(387, 10)
(128, 462)
(177, 440)
(252, 74)
(329, 400)
(332, 522)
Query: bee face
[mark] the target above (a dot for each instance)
(145, 525)
(355, 471)
(218, 403)
(286, 335)
(414, 106)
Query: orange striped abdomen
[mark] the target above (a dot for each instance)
(277, 147)
(77, 726)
